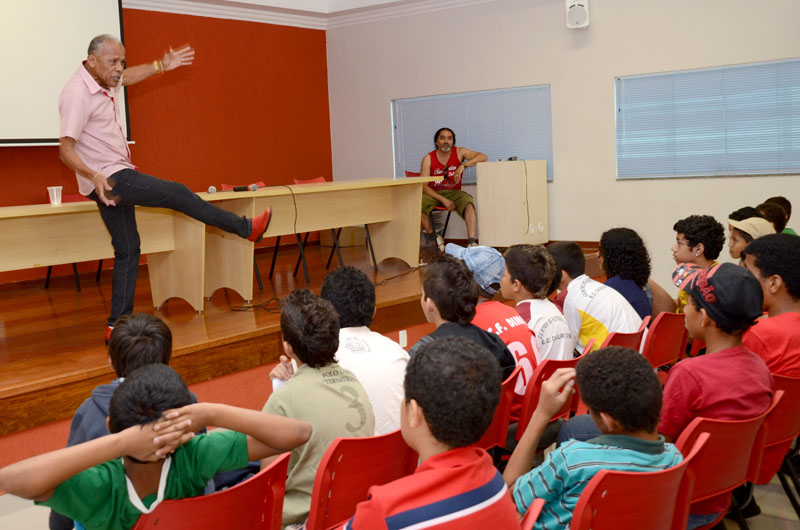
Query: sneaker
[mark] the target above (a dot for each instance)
(440, 243)
(260, 225)
(472, 242)
(109, 329)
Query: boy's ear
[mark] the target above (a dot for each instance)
(699, 249)
(610, 423)
(108, 422)
(516, 285)
(287, 349)
(706, 320)
(774, 284)
(415, 415)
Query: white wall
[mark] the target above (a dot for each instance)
(510, 43)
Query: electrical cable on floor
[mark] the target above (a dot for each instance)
(263, 305)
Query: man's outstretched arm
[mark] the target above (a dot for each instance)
(171, 60)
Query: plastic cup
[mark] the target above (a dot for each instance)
(55, 195)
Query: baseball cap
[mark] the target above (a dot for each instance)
(487, 264)
(730, 294)
(754, 226)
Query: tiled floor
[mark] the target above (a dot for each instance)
(776, 512)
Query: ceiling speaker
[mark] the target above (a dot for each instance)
(577, 13)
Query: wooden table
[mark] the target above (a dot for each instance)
(190, 260)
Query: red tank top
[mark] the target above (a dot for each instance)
(438, 170)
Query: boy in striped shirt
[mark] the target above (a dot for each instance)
(624, 399)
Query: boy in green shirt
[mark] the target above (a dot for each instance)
(151, 454)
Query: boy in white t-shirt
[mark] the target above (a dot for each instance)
(529, 273)
(592, 309)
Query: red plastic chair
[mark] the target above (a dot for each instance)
(732, 456)
(655, 500)
(531, 400)
(349, 468)
(782, 426)
(256, 503)
(432, 217)
(665, 342)
(497, 433)
(530, 517)
(627, 340)
(578, 406)
(697, 346)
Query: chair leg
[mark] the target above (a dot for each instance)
(446, 222)
(371, 250)
(47, 278)
(258, 274)
(274, 256)
(302, 258)
(433, 225)
(75, 273)
(789, 492)
(99, 270)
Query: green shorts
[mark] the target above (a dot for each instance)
(460, 198)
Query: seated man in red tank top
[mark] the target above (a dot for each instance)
(448, 162)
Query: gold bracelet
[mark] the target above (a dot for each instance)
(161, 67)
(155, 65)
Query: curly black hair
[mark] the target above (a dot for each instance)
(745, 212)
(620, 382)
(457, 385)
(145, 395)
(569, 257)
(451, 285)
(533, 266)
(702, 229)
(311, 326)
(139, 339)
(775, 214)
(778, 254)
(352, 295)
(625, 255)
(784, 203)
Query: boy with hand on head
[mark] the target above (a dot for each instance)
(320, 392)
(527, 280)
(452, 387)
(378, 362)
(152, 454)
(592, 310)
(449, 298)
(698, 240)
(729, 382)
(775, 262)
(623, 395)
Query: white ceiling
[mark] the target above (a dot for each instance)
(315, 14)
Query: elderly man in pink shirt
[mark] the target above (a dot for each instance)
(93, 145)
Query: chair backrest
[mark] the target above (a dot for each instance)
(255, 503)
(411, 174)
(542, 374)
(627, 340)
(697, 345)
(782, 426)
(530, 517)
(229, 187)
(349, 468)
(666, 339)
(733, 455)
(315, 180)
(656, 500)
(496, 434)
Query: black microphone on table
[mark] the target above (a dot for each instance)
(251, 187)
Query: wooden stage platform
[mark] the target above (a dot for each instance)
(51, 340)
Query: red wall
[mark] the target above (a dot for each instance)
(252, 107)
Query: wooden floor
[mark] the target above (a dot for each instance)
(51, 340)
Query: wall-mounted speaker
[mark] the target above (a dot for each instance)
(577, 13)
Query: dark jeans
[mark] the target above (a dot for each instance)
(132, 188)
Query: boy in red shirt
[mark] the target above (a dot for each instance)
(775, 261)
(729, 382)
(452, 389)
